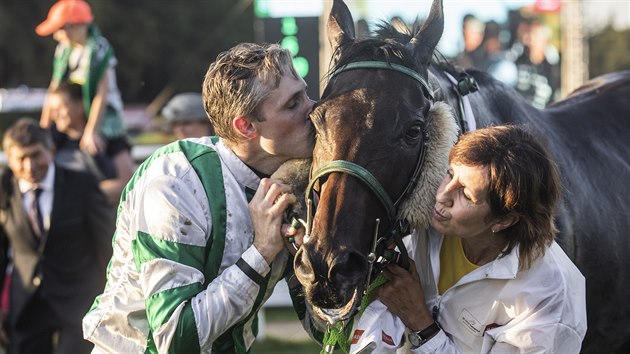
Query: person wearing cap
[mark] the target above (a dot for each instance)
(85, 57)
(185, 117)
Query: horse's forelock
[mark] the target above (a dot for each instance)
(373, 49)
(383, 48)
(385, 31)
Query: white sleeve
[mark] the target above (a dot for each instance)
(171, 257)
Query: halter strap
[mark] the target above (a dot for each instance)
(360, 173)
(388, 66)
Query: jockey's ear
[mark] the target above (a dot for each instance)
(244, 128)
(427, 38)
(340, 26)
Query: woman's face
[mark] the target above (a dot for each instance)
(461, 207)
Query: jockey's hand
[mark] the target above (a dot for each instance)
(267, 211)
(293, 236)
(403, 296)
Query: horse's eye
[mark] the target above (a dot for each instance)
(413, 133)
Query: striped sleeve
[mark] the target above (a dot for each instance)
(169, 258)
(184, 315)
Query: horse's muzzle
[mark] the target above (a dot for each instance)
(332, 280)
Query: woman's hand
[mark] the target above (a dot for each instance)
(403, 296)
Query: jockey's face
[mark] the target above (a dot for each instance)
(286, 131)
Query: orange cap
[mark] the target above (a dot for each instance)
(64, 12)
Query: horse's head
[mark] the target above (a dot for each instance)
(381, 152)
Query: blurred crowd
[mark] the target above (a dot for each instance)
(61, 187)
(521, 56)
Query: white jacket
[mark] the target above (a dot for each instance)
(498, 309)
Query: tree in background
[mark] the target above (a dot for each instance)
(160, 45)
(25, 57)
(609, 50)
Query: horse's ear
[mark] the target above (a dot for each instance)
(427, 38)
(340, 24)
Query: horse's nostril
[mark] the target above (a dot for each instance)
(303, 268)
(348, 269)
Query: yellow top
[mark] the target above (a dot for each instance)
(453, 263)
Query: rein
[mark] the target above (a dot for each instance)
(398, 228)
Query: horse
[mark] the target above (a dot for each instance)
(387, 118)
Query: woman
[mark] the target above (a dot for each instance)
(488, 276)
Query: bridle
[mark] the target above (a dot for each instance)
(380, 251)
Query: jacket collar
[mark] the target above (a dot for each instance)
(241, 172)
(505, 267)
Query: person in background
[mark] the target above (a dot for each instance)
(113, 167)
(488, 276)
(56, 228)
(472, 33)
(199, 244)
(85, 57)
(185, 116)
(538, 67)
(490, 56)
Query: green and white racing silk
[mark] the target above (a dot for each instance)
(184, 276)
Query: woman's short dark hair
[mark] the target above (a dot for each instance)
(523, 181)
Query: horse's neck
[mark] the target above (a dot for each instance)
(493, 103)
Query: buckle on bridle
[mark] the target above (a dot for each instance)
(466, 84)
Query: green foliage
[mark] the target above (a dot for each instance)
(25, 58)
(158, 43)
(609, 50)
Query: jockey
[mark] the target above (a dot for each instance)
(193, 262)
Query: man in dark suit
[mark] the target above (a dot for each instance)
(56, 226)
